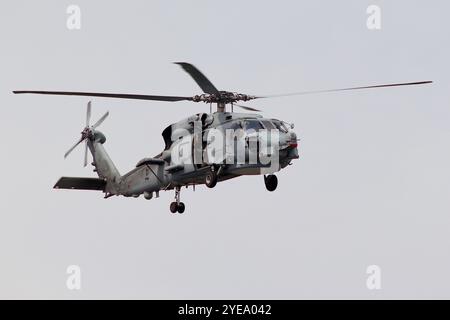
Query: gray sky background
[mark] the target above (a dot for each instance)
(372, 185)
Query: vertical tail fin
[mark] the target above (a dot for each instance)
(103, 164)
(94, 140)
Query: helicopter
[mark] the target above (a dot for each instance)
(205, 148)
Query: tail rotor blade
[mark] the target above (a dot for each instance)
(85, 153)
(88, 114)
(100, 121)
(73, 147)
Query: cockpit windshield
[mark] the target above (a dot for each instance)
(268, 124)
(281, 126)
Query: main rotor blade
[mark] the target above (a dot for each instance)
(199, 77)
(110, 95)
(247, 108)
(73, 147)
(88, 114)
(99, 122)
(85, 153)
(347, 89)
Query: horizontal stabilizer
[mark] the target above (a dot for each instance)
(80, 183)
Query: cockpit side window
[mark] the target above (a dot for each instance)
(252, 124)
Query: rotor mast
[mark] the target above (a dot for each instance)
(220, 107)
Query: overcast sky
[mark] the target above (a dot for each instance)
(371, 187)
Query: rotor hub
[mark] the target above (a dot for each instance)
(87, 133)
(222, 97)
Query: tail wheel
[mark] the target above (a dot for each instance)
(271, 182)
(211, 179)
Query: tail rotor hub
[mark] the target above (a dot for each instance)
(87, 133)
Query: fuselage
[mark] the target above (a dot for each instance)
(233, 144)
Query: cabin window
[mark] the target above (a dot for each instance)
(235, 125)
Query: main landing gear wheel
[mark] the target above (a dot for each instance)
(177, 205)
(211, 179)
(173, 207)
(271, 182)
(181, 207)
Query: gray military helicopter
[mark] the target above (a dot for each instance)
(161, 172)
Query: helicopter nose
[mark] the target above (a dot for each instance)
(288, 140)
(292, 140)
(288, 147)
